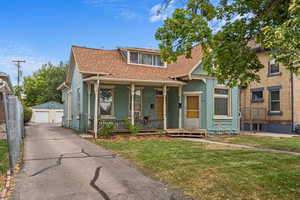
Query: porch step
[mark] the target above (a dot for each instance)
(186, 132)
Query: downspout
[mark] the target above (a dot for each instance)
(292, 99)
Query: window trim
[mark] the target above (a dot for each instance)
(257, 90)
(112, 116)
(129, 101)
(228, 96)
(69, 107)
(271, 89)
(130, 63)
(269, 69)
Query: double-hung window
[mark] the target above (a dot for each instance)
(137, 103)
(106, 102)
(273, 68)
(222, 102)
(275, 100)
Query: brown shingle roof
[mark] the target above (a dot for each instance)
(111, 63)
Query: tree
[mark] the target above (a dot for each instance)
(273, 24)
(41, 86)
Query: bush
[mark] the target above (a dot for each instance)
(106, 130)
(27, 113)
(134, 129)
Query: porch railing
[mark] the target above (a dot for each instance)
(144, 124)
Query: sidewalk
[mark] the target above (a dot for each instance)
(240, 146)
(267, 134)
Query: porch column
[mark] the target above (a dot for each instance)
(165, 106)
(132, 103)
(96, 88)
(180, 107)
(89, 103)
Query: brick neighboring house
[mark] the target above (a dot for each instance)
(5, 88)
(273, 104)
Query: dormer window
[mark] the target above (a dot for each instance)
(145, 59)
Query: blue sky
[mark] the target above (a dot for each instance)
(39, 31)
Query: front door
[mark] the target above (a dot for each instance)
(192, 112)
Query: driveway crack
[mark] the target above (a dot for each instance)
(58, 162)
(97, 188)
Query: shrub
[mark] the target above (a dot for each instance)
(106, 130)
(134, 129)
(27, 113)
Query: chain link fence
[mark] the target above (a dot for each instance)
(14, 128)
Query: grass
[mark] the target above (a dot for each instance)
(209, 171)
(4, 165)
(287, 144)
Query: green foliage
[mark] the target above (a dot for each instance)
(41, 86)
(27, 113)
(106, 130)
(134, 129)
(226, 52)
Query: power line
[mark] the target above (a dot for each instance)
(18, 64)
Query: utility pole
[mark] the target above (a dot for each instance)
(18, 64)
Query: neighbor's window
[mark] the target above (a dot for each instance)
(137, 104)
(273, 67)
(106, 101)
(257, 96)
(145, 59)
(221, 102)
(275, 100)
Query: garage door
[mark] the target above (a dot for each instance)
(58, 116)
(41, 116)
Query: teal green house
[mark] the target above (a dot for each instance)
(110, 85)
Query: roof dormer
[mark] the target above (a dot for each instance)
(143, 57)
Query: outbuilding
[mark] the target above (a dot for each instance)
(50, 112)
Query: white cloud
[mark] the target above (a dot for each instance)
(120, 8)
(10, 51)
(161, 12)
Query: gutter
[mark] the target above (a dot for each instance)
(134, 80)
(292, 100)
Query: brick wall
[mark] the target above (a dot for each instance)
(297, 99)
(284, 80)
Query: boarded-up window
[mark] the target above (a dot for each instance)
(192, 107)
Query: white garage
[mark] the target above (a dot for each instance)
(50, 112)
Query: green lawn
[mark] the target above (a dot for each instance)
(209, 171)
(287, 144)
(3, 161)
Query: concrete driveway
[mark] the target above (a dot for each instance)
(60, 165)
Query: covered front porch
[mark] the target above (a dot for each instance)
(152, 105)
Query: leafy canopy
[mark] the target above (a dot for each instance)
(273, 24)
(41, 86)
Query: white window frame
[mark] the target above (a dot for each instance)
(112, 116)
(129, 62)
(129, 101)
(270, 101)
(228, 96)
(273, 62)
